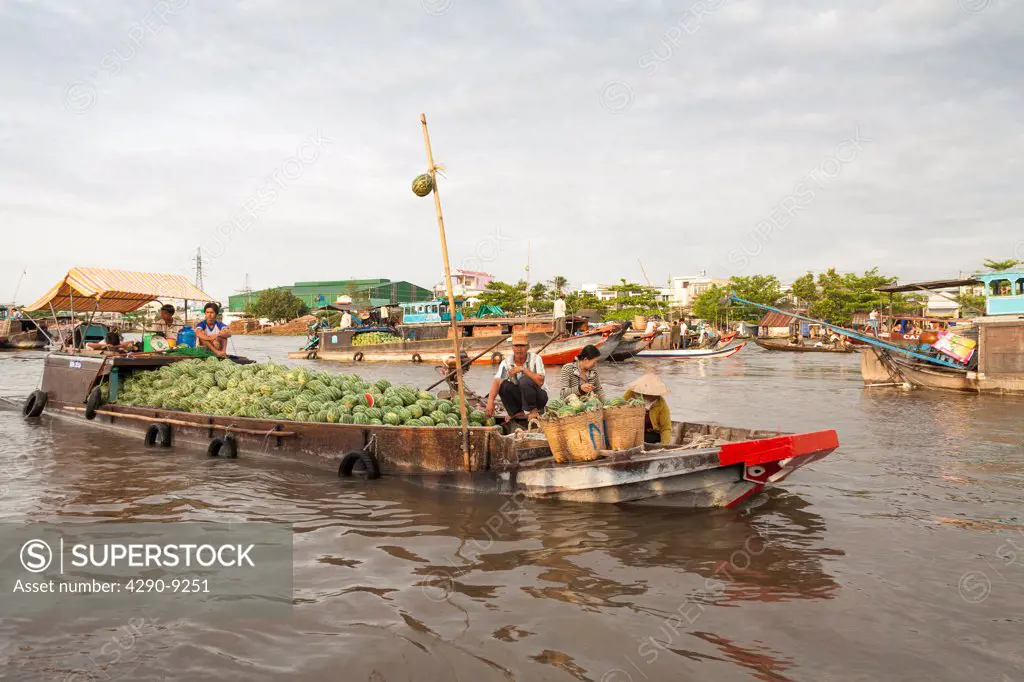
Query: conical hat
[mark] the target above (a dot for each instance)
(649, 384)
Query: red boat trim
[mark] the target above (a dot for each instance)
(750, 493)
(773, 449)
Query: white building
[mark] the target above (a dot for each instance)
(683, 291)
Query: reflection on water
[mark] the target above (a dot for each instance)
(850, 572)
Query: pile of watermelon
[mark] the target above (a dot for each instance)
(374, 338)
(557, 409)
(271, 391)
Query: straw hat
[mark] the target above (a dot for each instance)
(649, 384)
(520, 339)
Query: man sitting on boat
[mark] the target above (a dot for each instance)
(519, 381)
(657, 420)
(113, 343)
(211, 333)
(166, 326)
(579, 377)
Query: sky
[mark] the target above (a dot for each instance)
(734, 137)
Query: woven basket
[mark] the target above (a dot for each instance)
(624, 427)
(575, 439)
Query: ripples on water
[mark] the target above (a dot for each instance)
(887, 560)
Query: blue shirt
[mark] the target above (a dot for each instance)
(217, 326)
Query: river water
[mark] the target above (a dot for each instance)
(899, 557)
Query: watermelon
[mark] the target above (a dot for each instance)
(382, 384)
(555, 405)
(392, 419)
(445, 406)
(438, 416)
(346, 419)
(360, 419)
(477, 415)
(426, 395)
(413, 422)
(423, 185)
(414, 411)
(426, 421)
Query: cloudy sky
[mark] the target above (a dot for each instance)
(732, 136)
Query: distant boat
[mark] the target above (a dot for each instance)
(692, 353)
(785, 345)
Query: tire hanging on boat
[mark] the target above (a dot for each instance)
(223, 446)
(92, 403)
(369, 462)
(34, 404)
(158, 433)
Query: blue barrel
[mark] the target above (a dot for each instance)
(187, 337)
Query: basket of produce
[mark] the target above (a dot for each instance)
(624, 423)
(271, 391)
(574, 429)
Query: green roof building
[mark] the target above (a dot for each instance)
(364, 292)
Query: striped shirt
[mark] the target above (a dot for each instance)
(532, 363)
(572, 380)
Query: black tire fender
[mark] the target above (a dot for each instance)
(158, 433)
(358, 357)
(34, 404)
(223, 446)
(496, 358)
(416, 357)
(369, 462)
(92, 403)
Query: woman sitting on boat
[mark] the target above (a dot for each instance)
(579, 377)
(657, 420)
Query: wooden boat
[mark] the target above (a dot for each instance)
(706, 465)
(785, 345)
(338, 346)
(20, 333)
(629, 347)
(692, 353)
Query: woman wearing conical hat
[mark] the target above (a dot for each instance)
(657, 420)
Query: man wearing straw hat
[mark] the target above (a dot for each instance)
(519, 381)
(657, 420)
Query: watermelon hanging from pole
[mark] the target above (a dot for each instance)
(423, 185)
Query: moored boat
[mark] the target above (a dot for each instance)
(692, 353)
(20, 333)
(705, 465)
(786, 345)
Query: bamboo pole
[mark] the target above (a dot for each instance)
(451, 297)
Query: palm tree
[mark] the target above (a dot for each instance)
(997, 265)
(558, 283)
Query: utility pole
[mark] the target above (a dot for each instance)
(527, 277)
(199, 267)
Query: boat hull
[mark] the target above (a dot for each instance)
(692, 354)
(735, 464)
(786, 346)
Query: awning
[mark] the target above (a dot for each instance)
(115, 291)
(928, 286)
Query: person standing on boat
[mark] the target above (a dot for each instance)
(579, 377)
(558, 315)
(684, 335)
(211, 333)
(657, 419)
(346, 320)
(676, 335)
(519, 381)
(873, 320)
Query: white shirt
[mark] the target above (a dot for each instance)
(559, 309)
(651, 326)
(384, 312)
(346, 320)
(683, 328)
(873, 315)
(532, 363)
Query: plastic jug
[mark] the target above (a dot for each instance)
(186, 337)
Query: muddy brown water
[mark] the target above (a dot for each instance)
(899, 557)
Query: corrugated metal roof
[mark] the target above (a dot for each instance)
(115, 291)
(776, 320)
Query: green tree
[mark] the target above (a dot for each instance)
(510, 297)
(539, 300)
(763, 289)
(709, 306)
(998, 265)
(844, 294)
(805, 289)
(558, 285)
(584, 300)
(277, 305)
(633, 299)
(971, 304)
